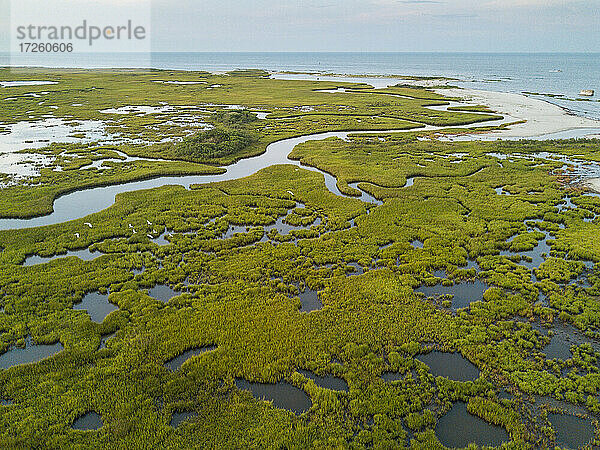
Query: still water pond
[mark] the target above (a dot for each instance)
(282, 394)
(571, 432)
(163, 292)
(326, 381)
(459, 428)
(310, 300)
(84, 255)
(179, 417)
(463, 293)
(87, 422)
(96, 305)
(177, 362)
(450, 365)
(30, 354)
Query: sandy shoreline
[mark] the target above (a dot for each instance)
(593, 184)
(542, 117)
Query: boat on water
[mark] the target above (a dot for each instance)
(587, 93)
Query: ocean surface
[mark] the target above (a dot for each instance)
(559, 76)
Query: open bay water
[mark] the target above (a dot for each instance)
(558, 74)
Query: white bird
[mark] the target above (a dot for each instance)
(77, 235)
(88, 224)
(290, 192)
(149, 236)
(148, 222)
(134, 231)
(130, 226)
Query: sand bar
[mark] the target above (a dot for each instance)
(542, 117)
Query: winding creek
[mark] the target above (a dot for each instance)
(81, 203)
(455, 428)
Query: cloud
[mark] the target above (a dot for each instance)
(505, 4)
(453, 16)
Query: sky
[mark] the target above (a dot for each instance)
(352, 25)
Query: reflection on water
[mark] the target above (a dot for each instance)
(365, 196)
(392, 376)
(178, 417)
(96, 305)
(417, 244)
(7, 84)
(558, 348)
(409, 182)
(535, 255)
(450, 365)
(464, 292)
(84, 255)
(163, 292)
(358, 269)
(30, 354)
(89, 421)
(310, 300)
(38, 134)
(458, 428)
(282, 394)
(571, 431)
(81, 203)
(105, 338)
(177, 362)
(326, 381)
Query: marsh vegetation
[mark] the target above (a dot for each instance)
(283, 310)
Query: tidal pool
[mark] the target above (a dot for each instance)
(23, 165)
(81, 203)
(87, 422)
(458, 428)
(558, 348)
(84, 255)
(6, 84)
(571, 431)
(139, 110)
(284, 228)
(30, 354)
(450, 365)
(22, 135)
(388, 377)
(565, 336)
(358, 269)
(162, 239)
(471, 264)
(540, 249)
(310, 300)
(233, 230)
(464, 293)
(417, 244)
(282, 394)
(96, 305)
(105, 338)
(178, 417)
(326, 381)
(177, 362)
(163, 292)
